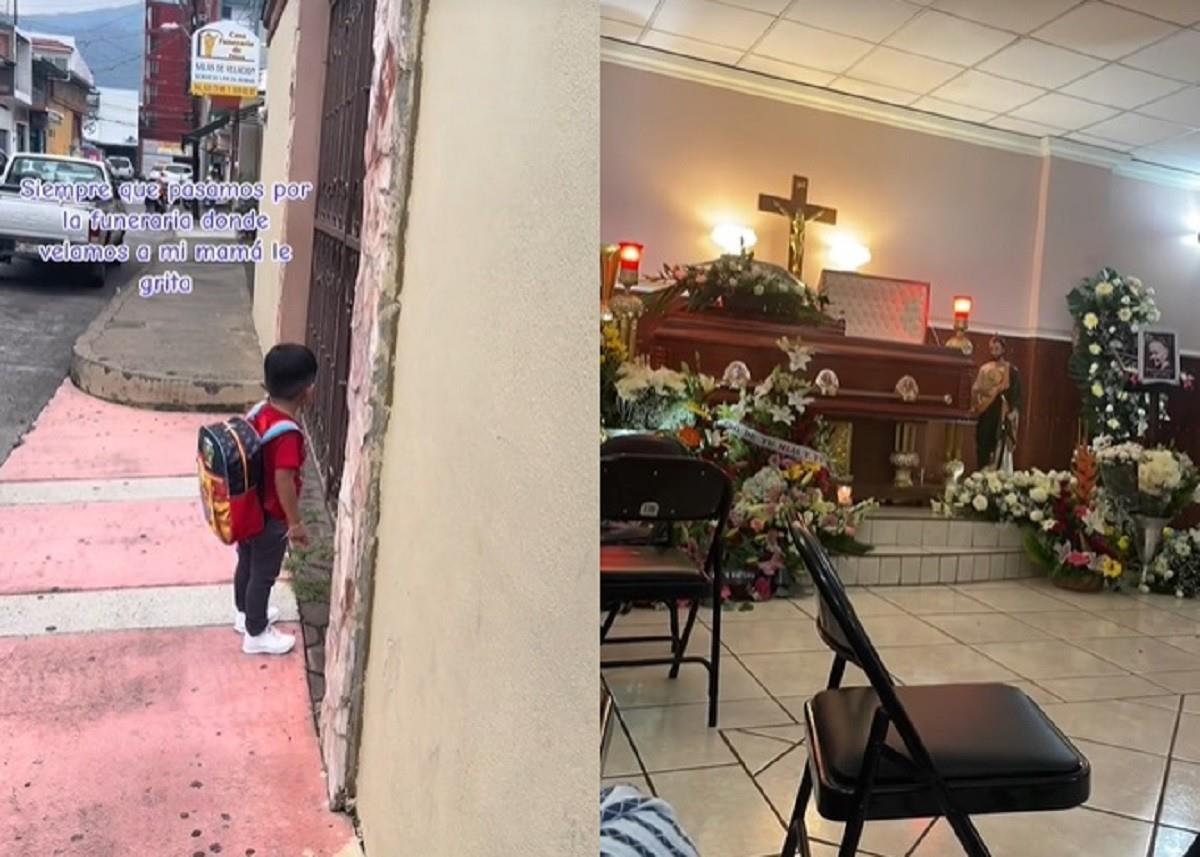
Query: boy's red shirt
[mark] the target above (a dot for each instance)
(285, 452)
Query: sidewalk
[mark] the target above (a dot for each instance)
(131, 724)
(196, 351)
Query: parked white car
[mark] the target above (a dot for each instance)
(27, 224)
(167, 174)
(120, 167)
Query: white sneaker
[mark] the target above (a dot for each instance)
(239, 619)
(269, 642)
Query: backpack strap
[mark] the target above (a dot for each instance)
(256, 410)
(280, 428)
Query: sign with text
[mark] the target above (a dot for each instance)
(225, 60)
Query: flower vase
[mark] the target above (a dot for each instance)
(1149, 539)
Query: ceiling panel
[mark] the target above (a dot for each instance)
(1104, 31)
(1118, 86)
(712, 22)
(875, 91)
(620, 30)
(929, 104)
(770, 7)
(1136, 130)
(692, 48)
(1182, 152)
(1099, 142)
(1185, 12)
(945, 37)
(787, 71)
(987, 92)
(904, 71)
(1023, 126)
(1063, 111)
(1041, 64)
(1018, 16)
(629, 11)
(1182, 107)
(873, 20)
(796, 43)
(1177, 56)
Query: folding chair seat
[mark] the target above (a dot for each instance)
(888, 752)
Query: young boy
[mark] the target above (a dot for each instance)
(290, 372)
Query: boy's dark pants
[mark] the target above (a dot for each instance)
(259, 561)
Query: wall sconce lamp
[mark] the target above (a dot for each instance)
(846, 254)
(734, 240)
(962, 315)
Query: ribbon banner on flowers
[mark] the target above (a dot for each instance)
(793, 451)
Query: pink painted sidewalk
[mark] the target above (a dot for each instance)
(158, 743)
(142, 743)
(78, 437)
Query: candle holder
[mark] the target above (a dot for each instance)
(962, 315)
(609, 264)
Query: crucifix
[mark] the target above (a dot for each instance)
(799, 212)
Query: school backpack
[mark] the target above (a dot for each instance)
(230, 463)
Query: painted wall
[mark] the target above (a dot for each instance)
(290, 144)
(480, 721)
(678, 157)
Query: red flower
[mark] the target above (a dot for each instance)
(1078, 559)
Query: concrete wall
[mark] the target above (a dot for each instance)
(480, 719)
(290, 144)
(1015, 231)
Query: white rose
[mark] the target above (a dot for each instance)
(1104, 289)
(1097, 390)
(1125, 314)
(1094, 348)
(980, 503)
(1091, 321)
(1037, 515)
(1039, 495)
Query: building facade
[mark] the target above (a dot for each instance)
(60, 87)
(16, 86)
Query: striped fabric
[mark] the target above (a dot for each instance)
(633, 825)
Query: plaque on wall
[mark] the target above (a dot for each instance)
(878, 307)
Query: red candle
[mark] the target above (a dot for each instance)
(962, 308)
(630, 254)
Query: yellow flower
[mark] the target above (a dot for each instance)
(1110, 567)
(1123, 543)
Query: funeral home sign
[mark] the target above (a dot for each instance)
(225, 60)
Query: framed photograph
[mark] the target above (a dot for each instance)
(1158, 357)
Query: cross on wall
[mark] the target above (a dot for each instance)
(799, 213)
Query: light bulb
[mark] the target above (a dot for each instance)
(733, 239)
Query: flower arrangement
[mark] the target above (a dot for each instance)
(758, 548)
(1155, 482)
(612, 355)
(651, 399)
(736, 282)
(1109, 310)
(1176, 569)
(1068, 525)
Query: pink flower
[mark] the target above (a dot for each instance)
(1078, 559)
(762, 589)
(757, 525)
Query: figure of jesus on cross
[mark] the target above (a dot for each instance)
(800, 213)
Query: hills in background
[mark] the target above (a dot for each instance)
(111, 40)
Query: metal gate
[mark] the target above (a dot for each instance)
(338, 224)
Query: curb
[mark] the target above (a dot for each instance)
(145, 388)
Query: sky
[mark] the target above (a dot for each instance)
(49, 7)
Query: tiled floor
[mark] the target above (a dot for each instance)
(1120, 674)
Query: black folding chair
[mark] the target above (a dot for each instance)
(639, 532)
(888, 752)
(663, 489)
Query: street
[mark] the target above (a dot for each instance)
(43, 309)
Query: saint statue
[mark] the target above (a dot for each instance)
(996, 400)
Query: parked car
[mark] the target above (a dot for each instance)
(167, 174)
(26, 224)
(120, 167)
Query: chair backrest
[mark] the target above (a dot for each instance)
(840, 619)
(642, 444)
(639, 487)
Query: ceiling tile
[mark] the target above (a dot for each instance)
(797, 43)
(1178, 56)
(636, 12)
(691, 47)
(873, 20)
(1103, 31)
(1183, 152)
(1185, 12)
(903, 71)
(1019, 16)
(1122, 87)
(787, 71)
(620, 30)
(770, 7)
(711, 22)
(945, 37)
(1040, 64)
(1136, 130)
(1024, 126)
(1063, 111)
(986, 92)
(1098, 141)
(954, 111)
(1182, 107)
(867, 89)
